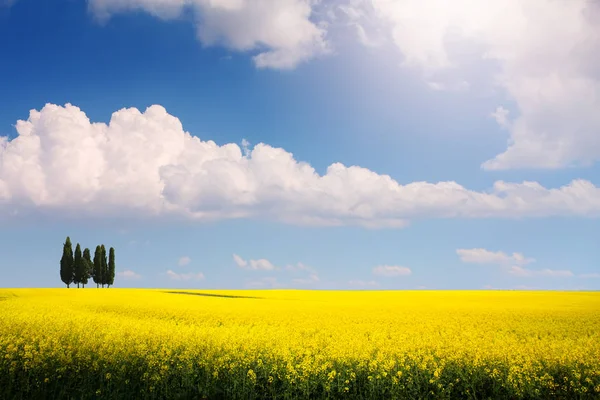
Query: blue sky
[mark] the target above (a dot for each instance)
(351, 82)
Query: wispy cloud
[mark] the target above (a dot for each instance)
(513, 264)
(312, 278)
(391, 270)
(7, 3)
(490, 287)
(483, 256)
(128, 274)
(300, 267)
(523, 272)
(593, 275)
(266, 282)
(361, 283)
(261, 264)
(185, 260)
(185, 277)
(526, 287)
(308, 274)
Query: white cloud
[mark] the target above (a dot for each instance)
(246, 147)
(266, 282)
(594, 275)
(556, 273)
(490, 287)
(365, 38)
(541, 53)
(483, 256)
(301, 274)
(260, 264)
(523, 272)
(300, 267)
(185, 260)
(391, 270)
(545, 57)
(520, 271)
(453, 86)
(128, 274)
(146, 165)
(185, 277)
(513, 263)
(501, 116)
(525, 287)
(311, 274)
(239, 261)
(280, 33)
(361, 283)
(312, 278)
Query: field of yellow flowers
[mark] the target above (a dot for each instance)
(284, 344)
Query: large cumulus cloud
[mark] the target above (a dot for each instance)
(145, 164)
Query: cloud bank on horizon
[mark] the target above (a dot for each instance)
(145, 164)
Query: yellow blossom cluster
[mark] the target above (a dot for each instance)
(280, 344)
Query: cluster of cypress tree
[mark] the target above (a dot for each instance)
(79, 268)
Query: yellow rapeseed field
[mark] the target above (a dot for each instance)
(137, 343)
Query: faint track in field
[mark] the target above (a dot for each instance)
(228, 296)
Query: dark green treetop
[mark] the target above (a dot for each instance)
(78, 266)
(104, 265)
(66, 263)
(111, 267)
(88, 267)
(98, 266)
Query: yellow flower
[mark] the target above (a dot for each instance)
(303, 338)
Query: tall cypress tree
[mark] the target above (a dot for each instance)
(88, 267)
(98, 266)
(104, 265)
(66, 263)
(111, 266)
(78, 266)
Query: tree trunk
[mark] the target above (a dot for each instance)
(67, 285)
(77, 285)
(97, 285)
